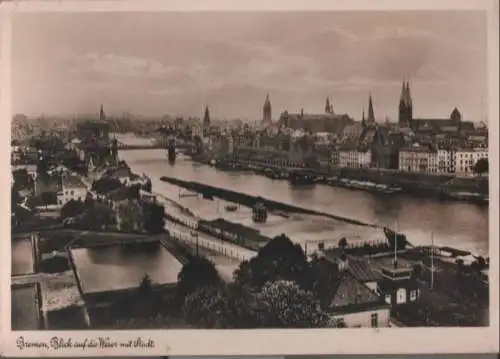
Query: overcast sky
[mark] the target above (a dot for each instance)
(157, 63)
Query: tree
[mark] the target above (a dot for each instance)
(280, 258)
(131, 217)
(283, 304)
(106, 185)
(326, 277)
(42, 166)
(198, 273)
(148, 187)
(154, 217)
(71, 208)
(89, 201)
(146, 285)
(343, 243)
(135, 191)
(73, 163)
(22, 179)
(206, 308)
(481, 166)
(15, 198)
(460, 266)
(97, 217)
(48, 198)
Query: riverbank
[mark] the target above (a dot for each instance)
(380, 181)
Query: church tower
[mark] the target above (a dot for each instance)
(405, 106)
(206, 122)
(328, 106)
(370, 121)
(102, 115)
(266, 111)
(206, 117)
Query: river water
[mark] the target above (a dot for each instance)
(456, 224)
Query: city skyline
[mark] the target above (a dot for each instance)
(176, 63)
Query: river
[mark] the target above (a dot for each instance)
(456, 224)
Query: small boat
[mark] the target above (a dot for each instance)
(301, 180)
(231, 207)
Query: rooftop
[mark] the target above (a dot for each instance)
(363, 271)
(72, 182)
(350, 291)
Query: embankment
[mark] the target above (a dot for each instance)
(250, 201)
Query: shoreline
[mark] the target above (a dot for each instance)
(421, 186)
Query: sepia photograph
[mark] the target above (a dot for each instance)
(249, 170)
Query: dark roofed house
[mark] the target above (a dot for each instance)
(314, 123)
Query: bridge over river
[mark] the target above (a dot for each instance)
(126, 141)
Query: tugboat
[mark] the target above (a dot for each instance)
(259, 213)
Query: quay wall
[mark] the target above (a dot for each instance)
(418, 184)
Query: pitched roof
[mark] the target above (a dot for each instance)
(72, 182)
(48, 183)
(362, 271)
(350, 291)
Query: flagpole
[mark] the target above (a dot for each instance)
(432, 260)
(395, 245)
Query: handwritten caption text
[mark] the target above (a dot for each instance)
(61, 343)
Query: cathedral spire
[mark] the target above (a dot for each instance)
(327, 105)
(403, 93)
(409, 101)
(206, 116)
(266, 110)
(371, 113)
(363, 121)
(102, 116)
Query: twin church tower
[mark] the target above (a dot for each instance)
(405, 109)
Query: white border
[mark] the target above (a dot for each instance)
(263, 342)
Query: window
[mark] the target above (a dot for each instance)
(374, 320)
(413, 295)
(401, 296)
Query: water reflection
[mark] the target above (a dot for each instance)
(120, 267)
(22, 257)
(453, 223)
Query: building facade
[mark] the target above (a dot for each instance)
(354, 158)
(417, 158)
(72, 189)
(466, 158)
